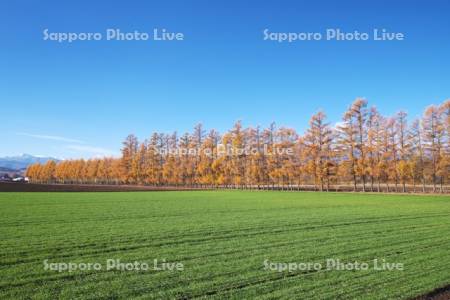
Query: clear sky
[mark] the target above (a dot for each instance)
(81, 99)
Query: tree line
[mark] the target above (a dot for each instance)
(365, 151)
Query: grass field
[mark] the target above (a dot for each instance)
(222, 239)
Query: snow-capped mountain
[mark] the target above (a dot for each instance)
(21, 162)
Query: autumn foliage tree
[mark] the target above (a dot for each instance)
(366, 151)
(319, 142)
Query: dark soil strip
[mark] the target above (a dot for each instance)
(442, 293)
(31, 187)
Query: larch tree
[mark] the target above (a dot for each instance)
(417, 162)
(432, 137)
(347, 136)
(358, 111)
(237, 151)
(318, 141)
(392, 150)
(444, 167)
(129, 150)
(287, 138)
(404, 156)
(374, 146)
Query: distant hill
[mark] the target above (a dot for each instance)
(11, 172)
(21, 162)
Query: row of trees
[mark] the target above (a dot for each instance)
(365, 151)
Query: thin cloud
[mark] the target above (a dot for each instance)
(96, 151)
(51, 137)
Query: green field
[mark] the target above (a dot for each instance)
(222, 239)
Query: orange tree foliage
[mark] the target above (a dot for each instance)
(366, 149)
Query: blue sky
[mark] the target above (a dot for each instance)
(81, 99)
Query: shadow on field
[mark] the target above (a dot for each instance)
(437, 294)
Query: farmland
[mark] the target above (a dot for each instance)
(224, 240)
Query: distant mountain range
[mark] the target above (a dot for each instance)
(19, 163)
